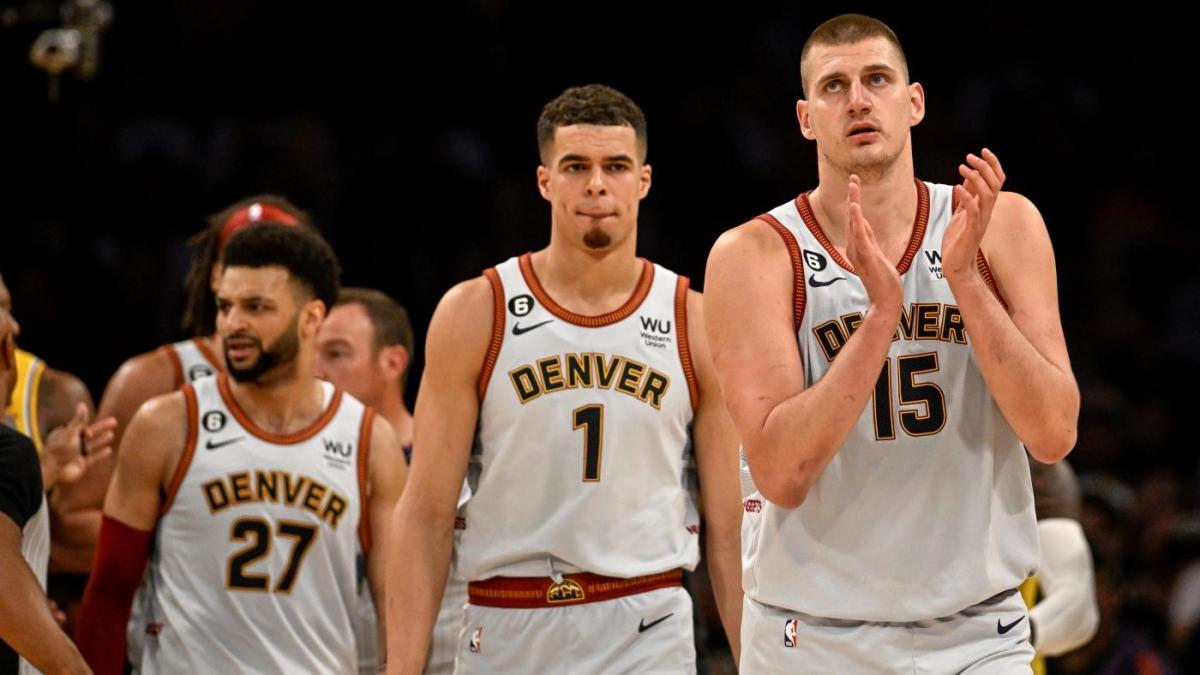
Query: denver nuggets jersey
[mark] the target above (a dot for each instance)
(583, 435)
(928, 507)
(192, 360)
(254, 561)
(23, 405)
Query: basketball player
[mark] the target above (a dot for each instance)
(259, 488)
(365, 346)
(170, 366)
(52, 408)
(27, 627)
(1063, 614)
(575, 381)
(885, 346)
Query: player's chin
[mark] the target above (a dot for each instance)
(597, 239)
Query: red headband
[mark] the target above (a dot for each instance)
(253, 213)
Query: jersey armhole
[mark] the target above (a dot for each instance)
(793, 248)
(981, 262)
(189, 448)
(176, 365)
(685, 352)
(33, 418)
(493, 352)
(364, 493)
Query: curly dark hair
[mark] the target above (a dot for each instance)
(199, 312)
(306, 256)
(590, 104)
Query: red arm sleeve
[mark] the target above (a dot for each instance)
(117, 569)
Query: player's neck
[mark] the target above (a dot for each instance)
(589, 282)
(396, 413)
(889, 203)
(281, 405)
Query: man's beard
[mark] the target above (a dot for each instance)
(282, 352)
(596, 238)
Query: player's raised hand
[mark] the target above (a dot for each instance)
(878, 274)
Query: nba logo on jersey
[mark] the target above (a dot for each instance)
(477, 640)
(790, 628)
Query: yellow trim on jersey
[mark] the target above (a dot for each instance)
(1029, 593)
(23, 408)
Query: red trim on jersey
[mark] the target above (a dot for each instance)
(986, 272)
(117, 569)
(981, 262)
(364, 451)
(189, 448)
(208, 355)
(793, 247)
(493, 352)
(534, 592)
(176, 365)
(681, 329)
(278, 439)
(623, 312)
(920, 221)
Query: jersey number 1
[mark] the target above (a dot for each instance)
(590, 418)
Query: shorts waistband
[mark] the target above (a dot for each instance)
(574, 589)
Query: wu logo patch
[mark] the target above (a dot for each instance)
(934, 260)
(791, 630)
(655, 325)
(815, 260)
(337, 448)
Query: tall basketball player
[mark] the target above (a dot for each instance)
(258, 487)
(571, 384)
(885, 346)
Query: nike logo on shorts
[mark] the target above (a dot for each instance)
(1003, 628)
(643, 626)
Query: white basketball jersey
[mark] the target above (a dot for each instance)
(583, 435)
(193, 360)
(253, 568)
(928, 507)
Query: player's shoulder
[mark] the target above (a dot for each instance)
(468, 298)
(148, 369)
(165, 412)
(755, 237)
(58, 396)
(1016, 212)
(464, 321)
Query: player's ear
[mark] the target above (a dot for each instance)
(543, 182)
(311, 316)
(394, 360)
(916, 96)
(806, 129)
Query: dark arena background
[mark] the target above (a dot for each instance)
(407, 130)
